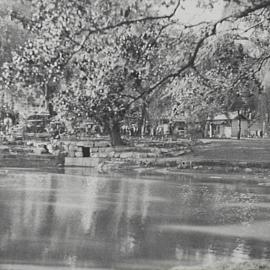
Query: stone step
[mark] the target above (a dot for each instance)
(82, 162)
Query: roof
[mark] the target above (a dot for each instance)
(227, 116)
(179, 118)
(38, 116)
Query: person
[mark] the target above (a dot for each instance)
(166, 130)
(7, 123)
(46, 150)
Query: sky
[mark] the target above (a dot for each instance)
(191, 14)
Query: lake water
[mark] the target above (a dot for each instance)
(59, 221)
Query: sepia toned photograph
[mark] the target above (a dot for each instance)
(135, 134)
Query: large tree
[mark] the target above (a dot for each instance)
(222, 77)
(98, 54)
(106, 58)
(231, 66)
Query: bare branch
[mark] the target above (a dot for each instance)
(193, 56)
(262, 60)
(81, 45)
(130, 22)
(255, 25)
(203, 23)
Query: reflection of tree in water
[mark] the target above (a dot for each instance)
(235, 206)
(213, 204)
(112, 221)
(48, 222)
(5, 221)
(216, 204)
(258, 249)
(23, 219)
(131, 235)
(201, 248)
(120, 220)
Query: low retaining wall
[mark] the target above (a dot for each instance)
(30, 161)
(82, 162)
(86, 155)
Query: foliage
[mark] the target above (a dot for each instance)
(101, 74)
(110, 81)
(104, 59)
(226, 76)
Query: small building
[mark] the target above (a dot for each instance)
(179, 126)
(256, 129)
(163, 127)
(227, 125)
(173, 125)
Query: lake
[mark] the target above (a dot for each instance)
(73, 220)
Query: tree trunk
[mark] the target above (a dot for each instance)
(115, 134)
(239, 126)
(211, 131)
(46, 98)
(142, 120)
(206, 130)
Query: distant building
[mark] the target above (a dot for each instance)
(176, 125)
(179, 126)
(258, 128)
(227, 125)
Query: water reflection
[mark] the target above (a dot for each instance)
(122, 221)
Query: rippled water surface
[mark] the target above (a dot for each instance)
(59, 221)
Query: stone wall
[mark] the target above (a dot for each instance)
(91, 154)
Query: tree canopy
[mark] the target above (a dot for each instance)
(104, 59)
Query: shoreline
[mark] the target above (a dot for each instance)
(247, 265)
(218, 157)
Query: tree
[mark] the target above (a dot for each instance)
(101, 75)
(107, 88)
(224, 81)
(13, 36)
(93, 48)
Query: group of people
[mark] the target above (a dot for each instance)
(161, 130)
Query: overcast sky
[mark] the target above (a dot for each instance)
(193, 14)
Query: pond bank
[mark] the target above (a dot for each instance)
(30, 161)
(256, 265)
(229, 156)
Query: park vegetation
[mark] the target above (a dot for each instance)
(112, 60)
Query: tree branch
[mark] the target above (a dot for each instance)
(130, 22)
(262, 61)
(193, 56)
